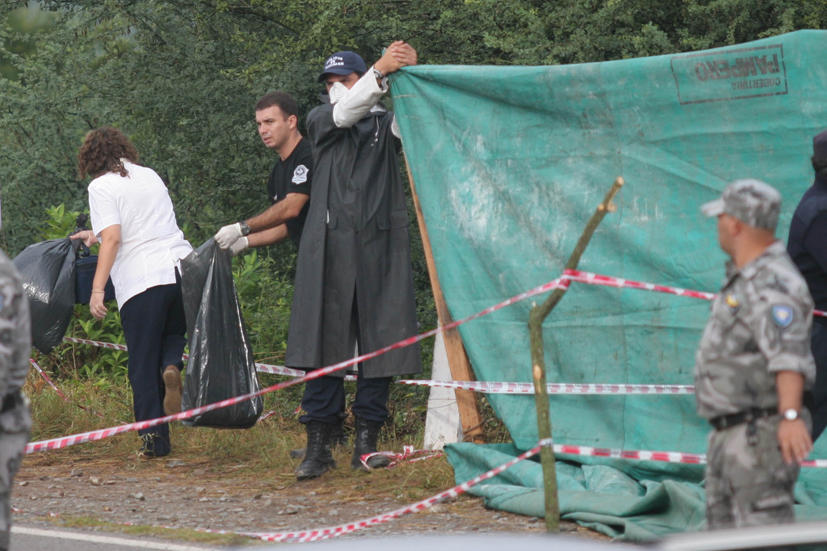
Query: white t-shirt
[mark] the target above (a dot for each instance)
(151, 242)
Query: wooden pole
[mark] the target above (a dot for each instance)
(458, 362)
(538, 370)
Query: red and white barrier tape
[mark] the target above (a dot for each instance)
(559, 449)
(325, 533)
(65, 441)
(619, 282)
(408, 455)
(553, 388)
(48, 380)
(59, 393)
(260, 367)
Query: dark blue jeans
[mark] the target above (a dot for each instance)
(155, 329)
(324, 398)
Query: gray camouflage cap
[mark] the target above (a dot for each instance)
(751, 201)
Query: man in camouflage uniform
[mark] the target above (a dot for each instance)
(753, 365)
(15, 421)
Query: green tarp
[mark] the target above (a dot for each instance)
(510, 162)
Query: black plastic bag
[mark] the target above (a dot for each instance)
(221, 361)
(48, 273)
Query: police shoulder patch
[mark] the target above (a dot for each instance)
(782, 315)
(300, 175)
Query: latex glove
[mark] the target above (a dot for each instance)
(228, 235)
(239, 245)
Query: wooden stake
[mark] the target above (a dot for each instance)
(538, 371)
(458, 362)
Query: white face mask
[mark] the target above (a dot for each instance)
(337, 92)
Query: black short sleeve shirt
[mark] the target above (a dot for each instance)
(293, 175)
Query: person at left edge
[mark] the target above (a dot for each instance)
(277, 117)
(15, 418)
(141, 248)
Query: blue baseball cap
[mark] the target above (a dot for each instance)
(343, 63)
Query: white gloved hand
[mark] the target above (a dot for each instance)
(239, 245)
(228, 235)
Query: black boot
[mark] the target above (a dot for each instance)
(337, 438)
(318, 460)
(367, 434)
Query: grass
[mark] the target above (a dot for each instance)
(255, 447)
(186, 534)
(252, 460)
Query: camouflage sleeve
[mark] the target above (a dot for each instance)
(15, 330)
(782, 333)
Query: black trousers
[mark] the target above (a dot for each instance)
(816, 401)
(324, 398)
(155, 329)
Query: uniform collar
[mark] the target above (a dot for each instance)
(821, 180)
(749, 271)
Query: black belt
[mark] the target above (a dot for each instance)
(725, 421)
(11, 401)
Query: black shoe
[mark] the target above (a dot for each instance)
(318, 459)
(367, 434)
(153, 446)
(337, 438)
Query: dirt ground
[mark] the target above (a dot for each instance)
(185, 495)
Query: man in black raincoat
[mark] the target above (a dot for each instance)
(354, 282)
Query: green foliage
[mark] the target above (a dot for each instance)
(265, 295)
(180, 77)
(60, 222)
(101, 366)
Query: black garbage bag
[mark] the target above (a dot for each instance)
(221, 361)
(48, 272)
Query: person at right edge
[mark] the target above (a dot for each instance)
(15, 419)
(807, 246)
(354, 281)
(753, 365)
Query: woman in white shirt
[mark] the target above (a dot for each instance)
(141, 246)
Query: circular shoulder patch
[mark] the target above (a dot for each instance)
(782, 315)
(300, 175)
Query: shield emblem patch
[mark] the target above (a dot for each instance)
(782, 316)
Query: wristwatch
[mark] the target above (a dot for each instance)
(790, 414)
(378, 74)
(245, 229)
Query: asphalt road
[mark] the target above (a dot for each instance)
(38, 539)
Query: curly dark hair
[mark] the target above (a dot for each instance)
(819, 164)
(102, 151)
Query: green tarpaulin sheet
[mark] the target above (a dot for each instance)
(509, 164)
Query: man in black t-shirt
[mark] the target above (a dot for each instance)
(277, 116)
